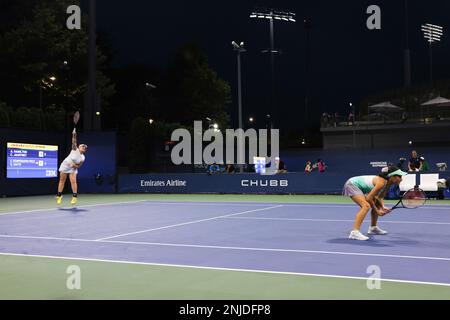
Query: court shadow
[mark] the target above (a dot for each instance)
(73, 210)
(370, 243)
(404, 242)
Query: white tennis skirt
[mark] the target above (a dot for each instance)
(64, 168)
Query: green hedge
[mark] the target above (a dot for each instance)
(32, 118)
(5, 121)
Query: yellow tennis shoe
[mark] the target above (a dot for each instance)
(74, 200)
(58, 200)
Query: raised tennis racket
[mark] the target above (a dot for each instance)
(412, 199)
(76, 118)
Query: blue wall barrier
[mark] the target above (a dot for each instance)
(98, 174)
(290, 183)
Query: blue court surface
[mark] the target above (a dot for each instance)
(285, 238)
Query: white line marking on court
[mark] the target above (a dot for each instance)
(222, 269)
(330, 220)
(218, 203)
(232, 248)
(187, 223)
(72, 207)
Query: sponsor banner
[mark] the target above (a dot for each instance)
(378, 164)
(290, 183)
(233, 183)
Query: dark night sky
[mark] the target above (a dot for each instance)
(347, 60)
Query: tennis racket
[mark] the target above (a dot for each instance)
(412, 199)
(76, 118)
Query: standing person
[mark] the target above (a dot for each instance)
(368, 192)
(69, 168)
(321, 165)
(308, 167)
(414, 163)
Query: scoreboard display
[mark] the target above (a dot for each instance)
(24, 161)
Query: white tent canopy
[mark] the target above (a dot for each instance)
(385, 107)
(437, 102)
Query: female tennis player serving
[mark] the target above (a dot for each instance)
(69, 167)
(368, 192)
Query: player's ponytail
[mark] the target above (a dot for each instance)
(384, 173)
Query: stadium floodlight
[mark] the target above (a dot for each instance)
(272, 15)
(433, 33)
(149, 85)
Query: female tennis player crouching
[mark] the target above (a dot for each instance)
(368, 192)
(69, 167)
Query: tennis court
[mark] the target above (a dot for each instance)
(218, 247)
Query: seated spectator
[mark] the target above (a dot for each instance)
(213, 169)
(308, 168)
(351, 119)
(281, 167)
(414, 163)
(404, 116)
(325, 119)
(401, 164)
(424, 167)
(321, 165)
(230, 168)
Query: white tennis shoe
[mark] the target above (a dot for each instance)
(357, 235)
(377, 231)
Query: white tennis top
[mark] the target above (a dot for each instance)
(75, 157)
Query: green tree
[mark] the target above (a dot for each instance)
(194, 90)
(28, 118)
(4, 116)
(35, 46)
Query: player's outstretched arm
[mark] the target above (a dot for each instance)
(74, 140)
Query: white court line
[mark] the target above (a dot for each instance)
(215, 203)
(160, 244)
(193, 203)
(72, 207)
(223, 269)
(187, 223)
(330, 220)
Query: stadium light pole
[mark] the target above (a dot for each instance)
(354, 123)
(92, 121)
(239, 48)
(272, 15)
(307, 25)
(407, 57)
(433, 33)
